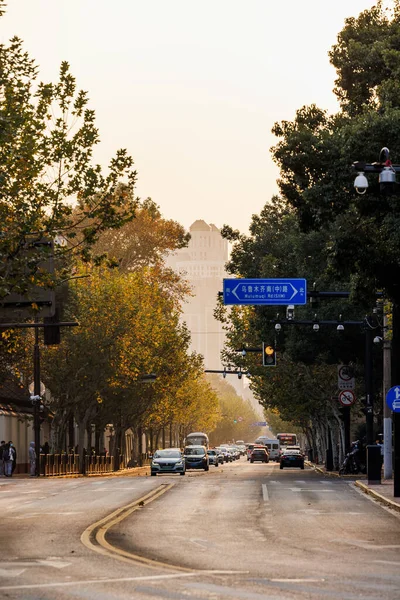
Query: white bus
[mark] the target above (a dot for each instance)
(197, 439)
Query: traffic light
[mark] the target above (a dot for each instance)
(269, 355)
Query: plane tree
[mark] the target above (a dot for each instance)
(50, 186)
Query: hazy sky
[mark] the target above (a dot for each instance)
(191, 88)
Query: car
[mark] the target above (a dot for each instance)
(251, 447)
(228, 456)
(196, 457)
(220, 455)
(213, 457)
(169, 460)
(292, 458)
(259, 454)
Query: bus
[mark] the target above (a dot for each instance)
(287, 439)
(197, 439)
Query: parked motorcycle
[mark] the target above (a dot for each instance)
(354, 461)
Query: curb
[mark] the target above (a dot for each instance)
(333, 473)
(382, 499)
(133, 472)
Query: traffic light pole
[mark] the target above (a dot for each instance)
(36, 405)
(36, 397)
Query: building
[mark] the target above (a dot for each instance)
(202, 263)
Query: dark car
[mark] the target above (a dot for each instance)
(167, 461)
(292, 458)
(196, 457)
(259, 454)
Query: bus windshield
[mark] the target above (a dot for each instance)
(197, 439)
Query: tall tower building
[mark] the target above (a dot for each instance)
(202, 263)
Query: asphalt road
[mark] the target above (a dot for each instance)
(242, 531)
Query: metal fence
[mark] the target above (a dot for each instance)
(68, 464)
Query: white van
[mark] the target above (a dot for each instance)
(272, 445)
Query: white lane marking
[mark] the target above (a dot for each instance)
(300, 482)
(265, 492)
(115, 488)
(11, 572)
(58, 564)
(275, 482)
(98, 482)
(202, 543)
(296, 489)
(37, 514)
(387, 562)
(367, 545)
(297, 580)
(117, 580)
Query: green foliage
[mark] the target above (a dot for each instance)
(49, 185)
(236, 415)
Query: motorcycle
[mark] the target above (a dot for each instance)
(354, 461)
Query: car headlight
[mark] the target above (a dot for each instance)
(154, 463)
(179, 463)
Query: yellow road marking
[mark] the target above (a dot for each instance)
(97, 533)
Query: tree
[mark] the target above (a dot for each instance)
(145, 241)
(49, 186)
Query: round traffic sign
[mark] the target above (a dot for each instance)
(344, 373)
(347, 397)
(393, 398)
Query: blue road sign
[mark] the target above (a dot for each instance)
(393, 398)
(259, 424)
(272, 292)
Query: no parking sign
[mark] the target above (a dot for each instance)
(347, 398)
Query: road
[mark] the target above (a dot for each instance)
(241, 531)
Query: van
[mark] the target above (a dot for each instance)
(273, 447)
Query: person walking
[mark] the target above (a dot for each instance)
(32, 459)
(2, 446)
(10, 459)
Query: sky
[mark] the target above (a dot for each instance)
(191, 88)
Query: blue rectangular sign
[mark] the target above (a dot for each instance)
(272, 292)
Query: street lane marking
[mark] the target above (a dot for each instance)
(265, 492)
(296, 580)
(58, 564)
(94, 536)
(116, 580)
(11, 572)
(296, 489)
(387, 562)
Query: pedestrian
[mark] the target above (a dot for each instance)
(32, 459)
(46, 448)
(2, 446)
(10, 459)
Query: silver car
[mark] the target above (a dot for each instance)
(167, 461)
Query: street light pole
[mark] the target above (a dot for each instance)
(36, 405)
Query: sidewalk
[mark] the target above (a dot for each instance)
(131, 471)
(382, 492)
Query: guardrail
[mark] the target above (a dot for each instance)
(68, 464)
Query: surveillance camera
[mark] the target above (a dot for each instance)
(278, 327)
(315, 327)
(361, 184)
(340, 327)
(377, 339)
(290, 312)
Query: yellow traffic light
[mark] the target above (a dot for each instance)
(269, 355)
